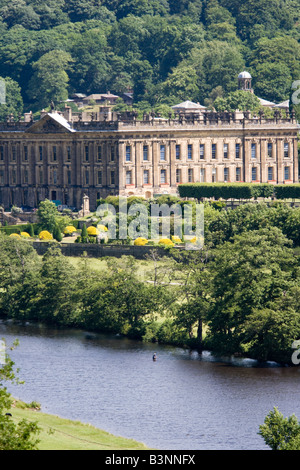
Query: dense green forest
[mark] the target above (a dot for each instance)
(165, 51)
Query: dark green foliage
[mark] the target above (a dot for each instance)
(30, 230)
(285, 191)
(9, 229)
(57, 235)
(13, 100)
(225, 190)
(13, 436)
(84, 235)
(239, 191)
(280, 433)
(164, 50)
(253, 282)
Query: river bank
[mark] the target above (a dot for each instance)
(57, 433)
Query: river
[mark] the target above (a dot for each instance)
(183, 401)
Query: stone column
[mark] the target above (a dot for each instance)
(295, 162)
(279, 152)
(263, 166)
(121, 166)
(172, 164)
(138, 171)
(246, 161)
(156, 174)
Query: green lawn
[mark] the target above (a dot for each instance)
(63, 434)
(144, 268)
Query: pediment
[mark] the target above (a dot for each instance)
(50, 124)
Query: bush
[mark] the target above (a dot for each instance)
(8, 229)
(287, 191)
(239, 190)
(45, 235)
(69, 230)
(140, 241)
(92, 231)
(57, 234)
(166, 242)
(102, 228)
(216, 190)
(176, 239)
(15, 235)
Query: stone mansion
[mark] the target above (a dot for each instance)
(63, 156)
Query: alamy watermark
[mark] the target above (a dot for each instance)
(184, 222)
(296, 95)
(2, 352)
(296, 354)
(2, 92)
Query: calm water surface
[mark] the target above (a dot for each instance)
(183, 401)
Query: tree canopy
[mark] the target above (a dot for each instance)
(162, 50)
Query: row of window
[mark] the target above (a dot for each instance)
(202, 151)
(146, 176)
(54, 177)
(202, 179)
(54, 153)
(286, 150)
(128, 152)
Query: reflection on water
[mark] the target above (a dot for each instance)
(182, 401)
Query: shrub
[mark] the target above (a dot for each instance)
(225, 190)
(92, 231)
(25, 235)
(102, 228)
(287, 191)
(176, 239)
(140, 241)
(15, 235)
(166, 242)
(57, 234)
(45, 235)
(8, 229)
(69, 230)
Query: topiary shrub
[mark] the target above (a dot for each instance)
(140, 241)
(45, 235)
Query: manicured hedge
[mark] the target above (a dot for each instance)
(9, 229)
(287, 191)
(239, 190)
(219, 190)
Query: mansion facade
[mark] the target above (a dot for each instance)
(62, 158)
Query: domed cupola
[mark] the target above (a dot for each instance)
(245, 81)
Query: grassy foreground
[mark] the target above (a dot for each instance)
(63, 434)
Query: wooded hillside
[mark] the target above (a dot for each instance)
(166, 51)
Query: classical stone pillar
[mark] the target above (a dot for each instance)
(138, 171)
(172, 164)
(246, 161)
(121, 166)
(279, 152)
(263, 161)
(295, 161)
(156, 174)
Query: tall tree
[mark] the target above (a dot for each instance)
(50, 79)
(249, 274)
(11, 102)
(14, 436)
